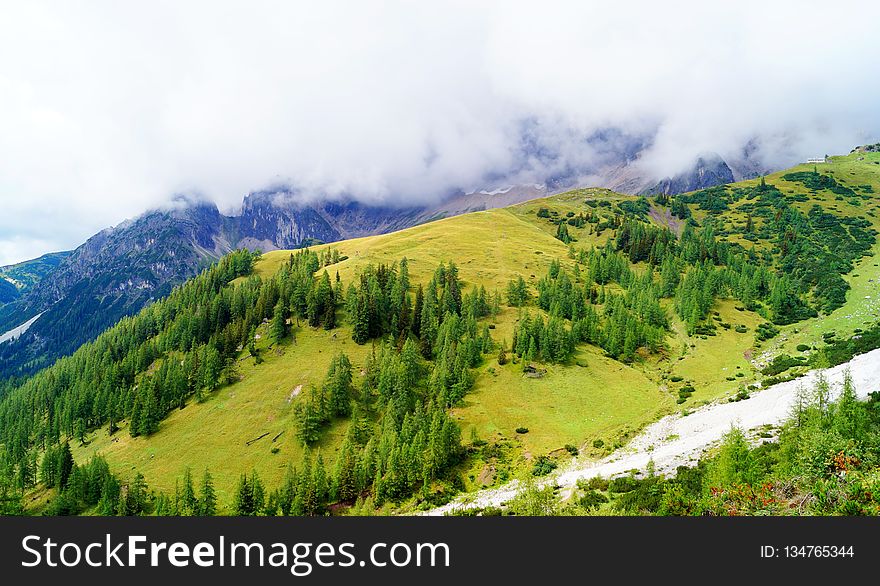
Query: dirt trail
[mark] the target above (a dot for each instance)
(676, 440)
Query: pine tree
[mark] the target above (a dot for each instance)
(134, 424)
(250, 496)
(278, 326)
(188, 501)
(243, 505)
(65, 464)
(287, 494)
(150, 415)
(307, 421)
(361, 319)
(339, 381)
(517, 292)
(207, 503)
(562, 232)
(212, 366)
(735, 463)
(411, 365)
(259, 493)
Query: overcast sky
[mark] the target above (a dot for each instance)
(109, 108)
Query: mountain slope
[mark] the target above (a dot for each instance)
(115, 273)
(17, 279)
(8, 292)
(588, 398)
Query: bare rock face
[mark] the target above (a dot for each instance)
(708, 171)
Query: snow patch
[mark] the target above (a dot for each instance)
(497, 191)
(16, 332)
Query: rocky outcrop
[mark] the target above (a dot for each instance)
(708, 171)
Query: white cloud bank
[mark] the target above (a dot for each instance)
(107, 108)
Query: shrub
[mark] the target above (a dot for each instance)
(522, 430)
(543, 466)
(802, 347)
(782, 363)
(594, 483)
(623, 484)
(766, 331)
(645, 496)
(571, 449)
(598, 444)
(592, 499)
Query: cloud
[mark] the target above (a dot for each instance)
(108, 108)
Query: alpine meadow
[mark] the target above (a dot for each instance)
(401, 372)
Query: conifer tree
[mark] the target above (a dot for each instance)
(207, 503)
(339, 380)
(65, 464)
(278, 326)
(212, 366)
(189, 505)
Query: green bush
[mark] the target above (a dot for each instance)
(594, 483)
(623, 484)
(766, 331)
(592, 499)
(782, 363)
(543, 466)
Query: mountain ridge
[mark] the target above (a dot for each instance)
(120, 269)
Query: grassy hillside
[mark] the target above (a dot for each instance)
(591, 402)
(603, 398)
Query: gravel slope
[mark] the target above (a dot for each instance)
(675, 440)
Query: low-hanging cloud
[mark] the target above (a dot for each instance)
(109, 108)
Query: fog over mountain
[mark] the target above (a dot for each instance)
(108, 109)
